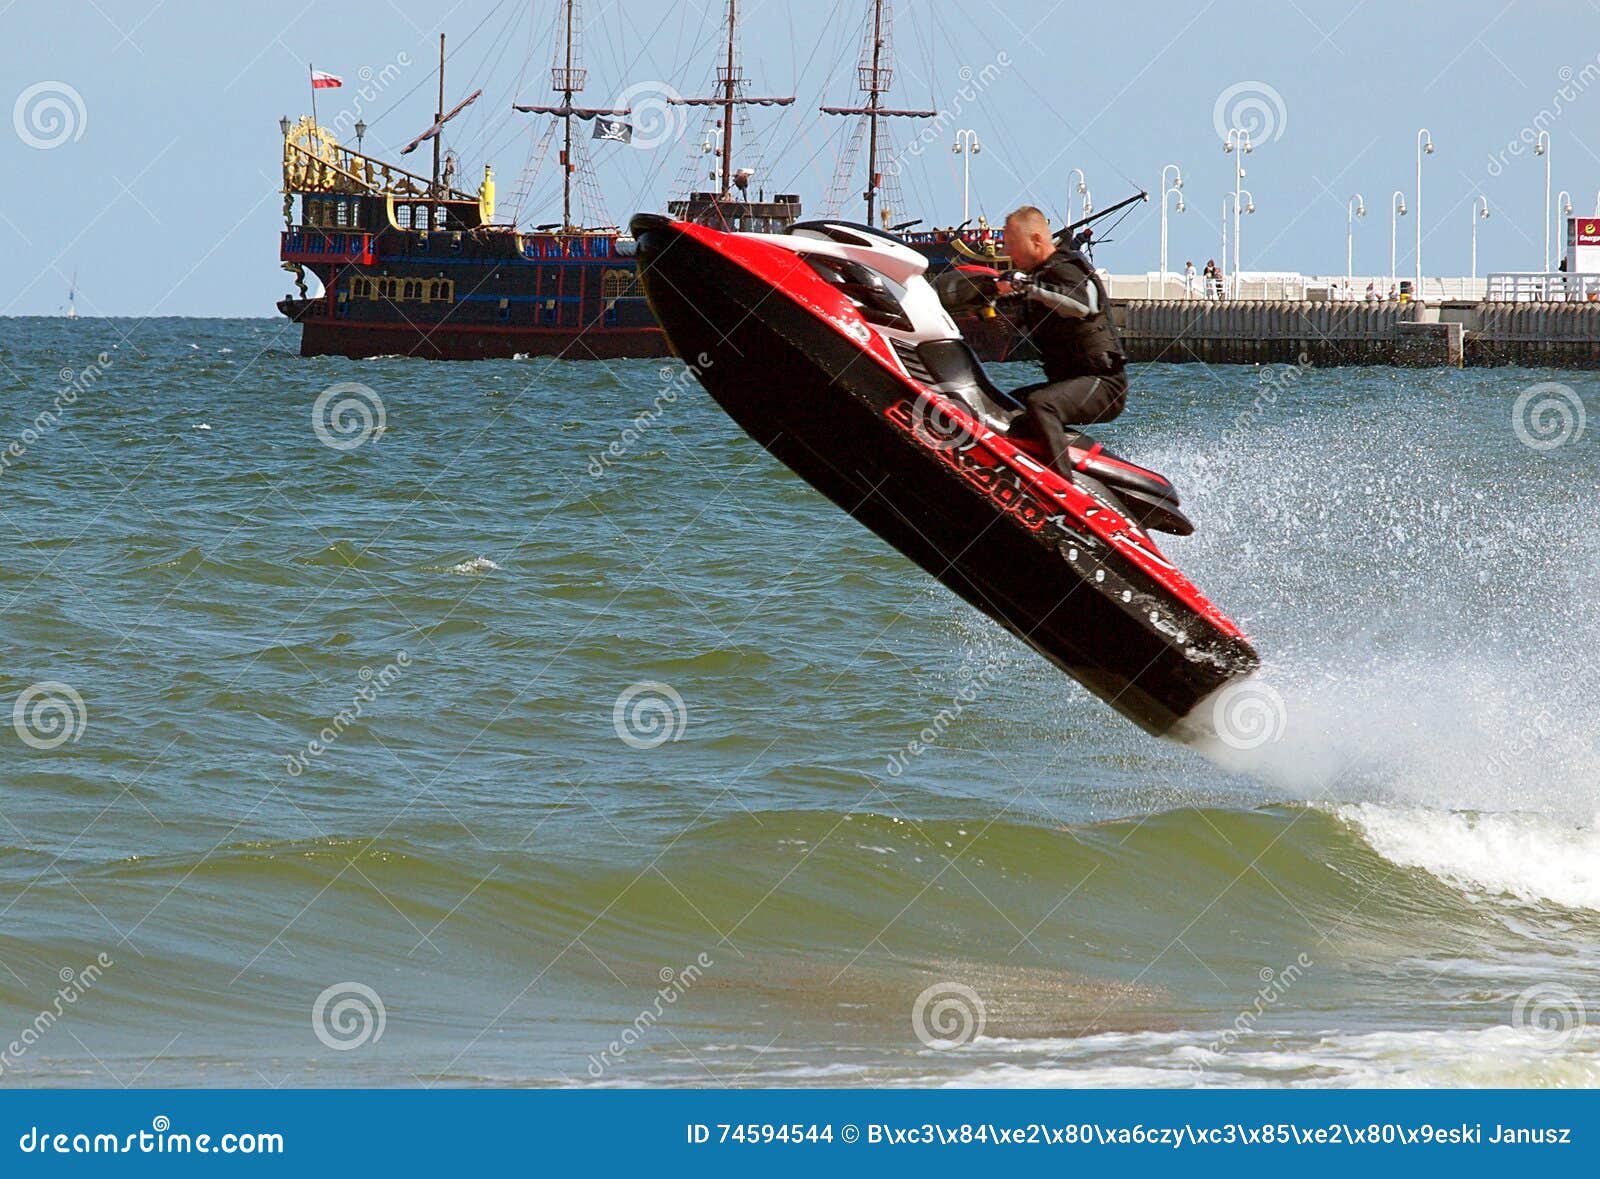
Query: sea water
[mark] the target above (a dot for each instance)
(387, 722)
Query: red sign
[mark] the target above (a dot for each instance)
(1587, 230)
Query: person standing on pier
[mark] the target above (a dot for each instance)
(1188, 280)
(1058, 302)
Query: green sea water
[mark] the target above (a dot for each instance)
(394, 723)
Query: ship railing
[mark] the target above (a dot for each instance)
(316, 245)
(354, 173)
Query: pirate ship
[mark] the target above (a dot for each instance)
(415, 265)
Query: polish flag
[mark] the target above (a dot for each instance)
(324, 81)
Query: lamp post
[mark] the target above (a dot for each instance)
(284, 125)
(1480, 211)
(1249, 207)
(361, 133)
(1541, 147)
(1237, 142)
(1424, 146)
(966, 146)
(1355, 207)
(1082, 188)
(1397, 210)
(1564, 204)
(1176, 187)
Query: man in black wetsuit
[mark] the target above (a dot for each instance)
(1056, 299)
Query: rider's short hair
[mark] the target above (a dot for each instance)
(1031, 217)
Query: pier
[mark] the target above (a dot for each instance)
(1450, 333)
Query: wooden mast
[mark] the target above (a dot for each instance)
(872, 107)
(566, 155)
(730, 83)
(438, 117)
(568, 78)
(730, 78)
(875, 80)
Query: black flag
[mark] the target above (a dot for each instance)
(616, 130)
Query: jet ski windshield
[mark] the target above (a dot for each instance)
(876, 295)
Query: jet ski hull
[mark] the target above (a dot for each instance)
(1056, 567)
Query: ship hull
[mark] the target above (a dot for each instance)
(426, 342)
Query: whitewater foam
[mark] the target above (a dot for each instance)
(476, 567)
(1531, 857)
(1497, 1056)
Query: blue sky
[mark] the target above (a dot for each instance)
(158, 172)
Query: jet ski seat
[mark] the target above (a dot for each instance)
(956, 369)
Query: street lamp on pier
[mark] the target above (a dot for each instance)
(1424, 147)
(1175, 188)
(1355, 207)
(1541, 147)
(967, 146)
(1397, 210)
(1082, 188)
(1237, 143)
(1480, 212)
(1249, 207)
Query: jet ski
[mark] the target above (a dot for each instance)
(830, 347)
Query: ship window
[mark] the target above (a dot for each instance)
(342, 213)
(412, 290)
(438, 216)
(402, 216)
(617, 284)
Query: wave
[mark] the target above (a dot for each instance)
(1532, 857)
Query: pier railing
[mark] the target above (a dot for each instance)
(1543, 287)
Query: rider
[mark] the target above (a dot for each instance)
(1061, 305)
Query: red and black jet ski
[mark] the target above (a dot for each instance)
(828, 345)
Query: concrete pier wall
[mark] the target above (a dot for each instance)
(1388, 333)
